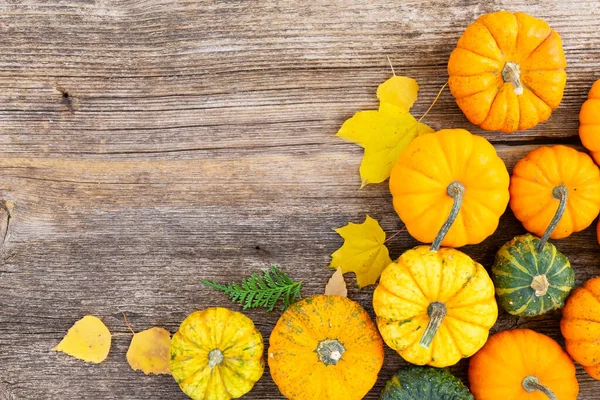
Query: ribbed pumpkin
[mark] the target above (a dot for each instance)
(580, 325)
(216, 354)
(529, 280)
(435, 307)
(430, 173)
(521, 364)
(425, 383)
(326, 348)
(507, 72)
(552, 183)
(589, 122)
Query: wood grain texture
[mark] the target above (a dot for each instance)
(147, 144)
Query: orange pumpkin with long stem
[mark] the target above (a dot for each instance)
(521, 364)
(555, 190)
(507, 72)
(429, 173)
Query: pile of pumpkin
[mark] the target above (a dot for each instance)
(435, 305)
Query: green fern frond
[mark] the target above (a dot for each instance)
(261, 291)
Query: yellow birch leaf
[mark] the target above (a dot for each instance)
(88, 340)
(149, 351)
(363, 251)
(399, 91)
(336, 285)
(386, 132)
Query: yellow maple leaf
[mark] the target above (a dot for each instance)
(363, 251)
(336, 284)
(149, 351)
(386, 132)
(88, 340)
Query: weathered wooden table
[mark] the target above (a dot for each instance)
(147, 144)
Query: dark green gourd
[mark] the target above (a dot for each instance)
(425, 383)
(531, 279)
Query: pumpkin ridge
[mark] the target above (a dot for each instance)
(410, 274)
(413, 170)
(225, 325)
(493, 37)
(524, 306)
(534, 250)
(510, 259)
(538, 46)
(385, 289)
(240, 340)
(465, 321)
(479, 54)
(534, 94)
(474, 93)
(500, 291)
(454, 341)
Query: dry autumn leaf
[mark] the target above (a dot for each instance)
(386, 132)
(88, 340)
(149, 351)
(363, 251)
(336, 285)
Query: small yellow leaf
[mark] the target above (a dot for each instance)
(399, 91)
(386, 132)
(88, 340)
(337, 285)
(149, 351)
(363, 251)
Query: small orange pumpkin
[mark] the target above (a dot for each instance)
(555, 189)
(589, 122)
(580, 325)
(521, 364)
(327, 348)
(431, 168)
(507, 72)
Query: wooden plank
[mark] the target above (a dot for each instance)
(147, 144)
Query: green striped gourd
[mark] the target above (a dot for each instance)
(529, 280)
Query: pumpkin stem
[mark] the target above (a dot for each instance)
(436, 312)
(512, 73)
(540, 284)
(560, 193)
(330, 351)
(215, 357)
(456, 190)
(532, 383)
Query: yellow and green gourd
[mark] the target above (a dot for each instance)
(217, 354)
(531, 278)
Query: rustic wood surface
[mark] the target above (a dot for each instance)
(147, 144)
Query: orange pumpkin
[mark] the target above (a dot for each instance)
(507, 72)
(430, 173)
(521, 364)
(555, 189)
(580, 325)
(327, 348)
(589, 122)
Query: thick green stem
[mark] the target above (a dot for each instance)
(511, 73)
(532, 383)
(560, 193)
(456, 190)
(436, 312)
